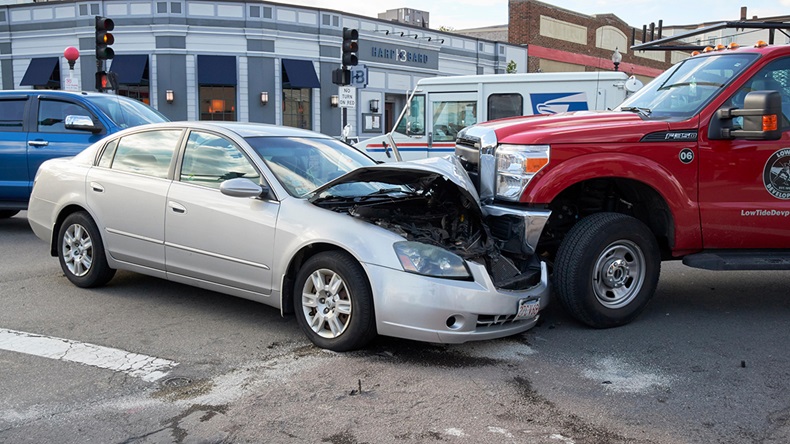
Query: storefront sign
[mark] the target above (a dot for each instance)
(395, 55)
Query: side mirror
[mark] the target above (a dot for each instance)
(81, 123)
(761, 112)
(241, 187)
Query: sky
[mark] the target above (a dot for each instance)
(462, 14)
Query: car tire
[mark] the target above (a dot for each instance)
(334, 303)
(81, 252)
(6, 214)
(606, 269)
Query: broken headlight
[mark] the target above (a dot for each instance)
(516, 165)
(428, 260)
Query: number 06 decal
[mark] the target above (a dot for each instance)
(686, 155)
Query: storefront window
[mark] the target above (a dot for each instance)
(297, 108)
(218, 103)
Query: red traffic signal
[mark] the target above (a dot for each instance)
(104, 38)
(350, 47)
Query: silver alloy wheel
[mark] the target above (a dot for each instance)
(77, 250)
(326, 303)
(618, 274)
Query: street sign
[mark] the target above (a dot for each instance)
(347, 96)
(359, 76)
(71, 84)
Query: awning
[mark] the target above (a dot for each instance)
(216, 70)
(300, 74)
(130, 68)
(40, 71)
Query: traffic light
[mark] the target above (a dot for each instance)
(341, 76)
(106, 80)
(350, 47)
(104, 38)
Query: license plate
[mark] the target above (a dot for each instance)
(527, 309)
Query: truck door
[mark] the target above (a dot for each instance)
(449, 113)
(49, 138)
(14, 178)
(744, 190)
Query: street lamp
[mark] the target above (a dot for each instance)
(616, 59)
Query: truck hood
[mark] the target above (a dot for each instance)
(576, 127)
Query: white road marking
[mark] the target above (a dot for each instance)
(147, 368)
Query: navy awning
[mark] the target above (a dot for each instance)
(41, 71)
(216, 70)
(131, 69)
(300, 74)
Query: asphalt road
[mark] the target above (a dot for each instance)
(707, 362)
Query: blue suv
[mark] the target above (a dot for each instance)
(41, 124)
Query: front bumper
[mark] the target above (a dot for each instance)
(429, 309)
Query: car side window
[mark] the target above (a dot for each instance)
(105, 159)
(147, 153)
(52, 115)
(12, 114)
(210, 159)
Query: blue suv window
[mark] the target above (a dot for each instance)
(12, 114)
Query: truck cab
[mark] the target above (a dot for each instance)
(439, 107)
(694, 166)
(37, 125)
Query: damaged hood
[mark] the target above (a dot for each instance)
(414, 174)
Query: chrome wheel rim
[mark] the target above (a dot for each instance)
(618, 274)
(326, 303)
(77, 250)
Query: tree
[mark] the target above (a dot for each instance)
(446, 28)
(512, 68)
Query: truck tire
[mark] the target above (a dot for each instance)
(606, 269)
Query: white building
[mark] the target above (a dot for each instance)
(235, 60)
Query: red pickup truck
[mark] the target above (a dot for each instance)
(694, 166)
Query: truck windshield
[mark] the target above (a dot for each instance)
(127, 112)
(413, 123)
(680, 92)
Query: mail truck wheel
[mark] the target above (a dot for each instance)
(607, 269)
(334, 303)
(81, 252)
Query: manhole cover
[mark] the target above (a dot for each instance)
(178, 381)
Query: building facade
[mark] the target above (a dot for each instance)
(246, 61)
(562, 40)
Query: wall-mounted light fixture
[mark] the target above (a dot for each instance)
(334, 101)
(170, 96)
(374, 105)
(264, 97)
(403, 34)
(616, 59)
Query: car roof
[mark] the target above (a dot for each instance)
(54, 92)
(242, 129)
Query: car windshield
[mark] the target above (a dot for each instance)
(303, 164)
(126, 112)
(680, 92)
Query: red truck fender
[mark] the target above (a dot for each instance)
(680, 198)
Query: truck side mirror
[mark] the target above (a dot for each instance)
(761, 112)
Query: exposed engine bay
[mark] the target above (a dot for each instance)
(428, 207)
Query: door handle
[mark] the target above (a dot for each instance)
(37, 143)
(97, 187)
(177, 207)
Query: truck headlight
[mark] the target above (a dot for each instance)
(516, 165)
(428, 260)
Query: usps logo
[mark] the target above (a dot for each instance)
(553, 103)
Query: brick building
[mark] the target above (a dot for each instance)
(560, 40)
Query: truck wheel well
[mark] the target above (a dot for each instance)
(616, 195)
(298, 259)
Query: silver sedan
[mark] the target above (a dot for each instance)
(298, 221)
